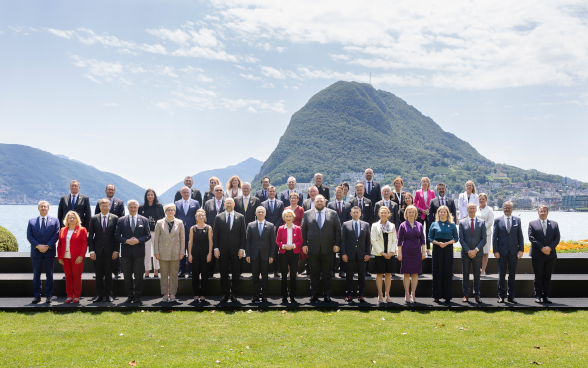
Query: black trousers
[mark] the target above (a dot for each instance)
(259, 267)
(426, 226)
(542, 267)
(341, 263)
(116, 265)
(507, 263)
(466, 264)
(103, 267)
(289, 259)
(229, 260)
(199, 271)
(186, 266)
(320, 267)
(355, 265)
(442, 271)
(211, 266)
(133, 266)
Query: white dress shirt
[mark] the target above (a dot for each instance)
(67, 240)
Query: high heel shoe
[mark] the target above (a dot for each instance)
(68, 300)
(75, 300)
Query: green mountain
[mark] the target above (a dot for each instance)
(40, 175)
(349, 126)
(246, 170)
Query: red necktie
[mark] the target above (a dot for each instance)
(339, 207)
(472, 227)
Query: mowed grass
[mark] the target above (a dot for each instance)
(295, 339)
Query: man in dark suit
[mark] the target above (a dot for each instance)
(195, 193)
(285, 195)
(367, 209)
(439, 201)
(544, 237)
(344, 212)
(398, 193)
(308, 203)
(372, 188)
(322, 190)
(213, 207)
(472, 237)
(274, 209)
(186, 211)
(261, 251)
(392, 206)
(262, 193)
(508, 245)
(321, 236)
(356, 247)
(76, 202)
(117, 207)
(103, 249)
(246, 204)
(132, 231)
(43, 233)
(229, 237)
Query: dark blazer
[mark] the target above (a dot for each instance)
(306, 204)
(195, 196)
(207, 195)
(467, 240)
(123, 233)
(100, 241)
(251, 207)
(324, 191)
(351, 244)
(434, 206)
(82, 207)
(394, 212)
(538, 240)
(345, 210)
(274, 217)
(397, 200)
(375, 194)
(285, 197)
(117, 208)
(210, 209)
(49, 237)
(504, 242)
(317, 239)
(189, 218)
(263, 245)
(367, 212)
(229, 241)
(259, 194)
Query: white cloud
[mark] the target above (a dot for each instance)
(98, 68)
(112, 104)
(268, 71)
(251, 109)
(58, 32)
(268, 85)
(202, 99)
(250, 77)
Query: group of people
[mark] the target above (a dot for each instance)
(274, 232)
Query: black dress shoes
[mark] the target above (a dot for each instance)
(137, 299)
(190, 275)
(37, 300)
(361, 299)
(255, 300)
(276, 275)
(315, 300)
(478, 300)
(500, 299)
(116, 275)
(292, 300)
(233, 298)
(284, 300)
(225, 298)
(367, 273)
(538, 300)
(328, 299)
(342, 274)
(512, 300)
(97, 299)
(181, 274)
(348, 299)
(264, 300)
(547, 300)
(110, 299)
(48, 300)
(129, 300)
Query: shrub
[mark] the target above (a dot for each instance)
(8, 242)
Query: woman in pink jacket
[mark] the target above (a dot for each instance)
(422, 199)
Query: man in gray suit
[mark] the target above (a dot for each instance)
(356, 247)
(321, 236)
(261, 249)
(472, 237)
(308, 203)
(508, 245)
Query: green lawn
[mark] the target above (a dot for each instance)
(295, 339)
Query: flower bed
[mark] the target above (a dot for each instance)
(566, 246)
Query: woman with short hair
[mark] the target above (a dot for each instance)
(411, 252)
(169, 247)
(233, 187)
(469, 196)
(289, 242)
(71, 252)
(200, 255)
(346, 197)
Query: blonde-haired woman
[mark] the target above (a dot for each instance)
(469, 196)
(487, 214)
(200, 255)
(233, 187)
(212, 182)
(71, 252)
(443, 233)
(422, 200)
(384, 247)
(169, 247)
(411, 252)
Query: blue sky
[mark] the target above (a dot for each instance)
(156, 90)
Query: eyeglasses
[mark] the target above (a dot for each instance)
(218, 190)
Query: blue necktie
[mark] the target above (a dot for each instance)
(260, 228)
(320, 220)
(272, 206)
(73, 202)
(356, 231)
(43, 226)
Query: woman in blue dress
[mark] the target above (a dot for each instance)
(443, 233)
(411, 252)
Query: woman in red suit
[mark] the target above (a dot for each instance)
(422, 199)
(298, 214)
(71, 251)
(289, 240)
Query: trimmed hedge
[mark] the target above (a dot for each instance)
(8, 242)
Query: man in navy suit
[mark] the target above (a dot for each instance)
(344, 211)
(42, 233)
(372, 189)
(76, 202)
(117, 208)
(508, 246)
(544, 237)
(195, 194)
(186, 211)
(132, 231)
(262, 193)
(285, 195)
(261, 250)
(439, 201)
(356, 247)
(472, 249)
(274, 209)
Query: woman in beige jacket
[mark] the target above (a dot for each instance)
(384, 244)
(168, 246)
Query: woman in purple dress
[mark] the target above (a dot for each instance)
(411, 252)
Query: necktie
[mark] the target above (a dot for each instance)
(229, 221)
(186, 207)
(442, 201)
(339, 208)
(320, 220)
(73, 202)
(264, 194)
(217, 205)
(544, 227)
(43, 226)
(246, 200)
(260, 228)
(508, 224)
(472, 226)
(132, 224)
(103, 224)
(369, 187)
(356, 230)
(272, 206)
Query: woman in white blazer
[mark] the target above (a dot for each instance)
(384, 247)
(233, 188)
(469, 196)
(169, 246)
(487, 214)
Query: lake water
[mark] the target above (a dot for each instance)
(572, 225)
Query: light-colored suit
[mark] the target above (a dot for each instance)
(169, 246)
